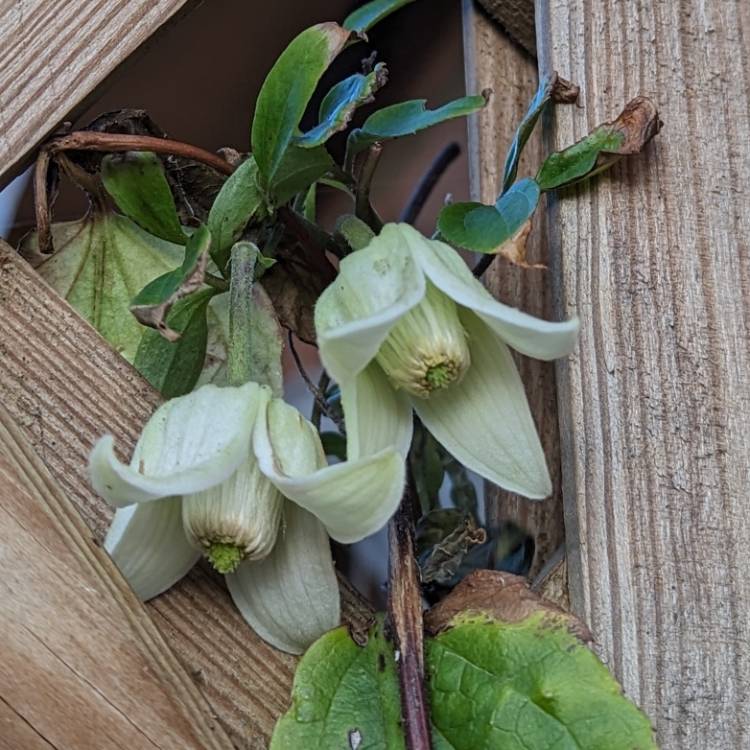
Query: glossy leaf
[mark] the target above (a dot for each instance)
(152, 304)
(340, 103)
(299, 169)
(287, 90)
(551, 87)
(364, 18)
(408, 118)
(239, 200)
(173, 367)
(137, 182)
(101, 262)
(635, 126)
(482, 228)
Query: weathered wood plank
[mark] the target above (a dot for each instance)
(654, 404)
(516, 18)
(82, 664)
(494, 61)
(65, 387)
(53, 55)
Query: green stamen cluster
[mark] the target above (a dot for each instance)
(225, 558)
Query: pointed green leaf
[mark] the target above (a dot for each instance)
(551, 88)
(173, 367)
(299, 169)
(364, 18)
(483, 229)
(635, 126)
(239, 200)
(140, 189)
(152, 304)
(101, 262)
(287, 90)
(339, 104)
(408, 118)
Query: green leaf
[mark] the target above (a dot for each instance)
(635, 126)
(343, 696)
(551, 87)
(523, 683)
(140, 189)
(364, 18)
(152, 304)
(173, 367)
(239, 200)
(484, 229)
(299, 169)
(340, 103)
(426, 464)
(287, 90)
(101, 262)
(408, 118)
(578, 160)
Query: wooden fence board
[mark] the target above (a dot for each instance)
(64, 386)
(654, 403)
(82, 666)
(54, 54)
(494, 61)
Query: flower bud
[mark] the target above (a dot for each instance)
(235, 520)
(426, 350)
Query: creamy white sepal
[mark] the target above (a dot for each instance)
(485, 421)
(291, 597)
(149, 547)
(446, 269)
(353, 499)
(190, 444)
(375, 287)
(377, 415)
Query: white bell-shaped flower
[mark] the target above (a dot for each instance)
(211, 475)
(407, 326)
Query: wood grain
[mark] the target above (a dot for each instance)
(64, 387)
(83, 666)
(654, 404)
(516, 17)
(494, 61)
(53, 55)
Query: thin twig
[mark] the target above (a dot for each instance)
(317, 394)
(426, 185)
(362, 206)
(323, 382)
(405, 616)
(87, 140)
(483, 264)
(41, 203)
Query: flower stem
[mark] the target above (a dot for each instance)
(405, 616)
(239, 355)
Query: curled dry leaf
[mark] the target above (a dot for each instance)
(514, 249)
(639, 122)
(501, 596)
(563, 91)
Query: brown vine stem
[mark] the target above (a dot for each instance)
(405, 615)
(41, 203)
(88, 140)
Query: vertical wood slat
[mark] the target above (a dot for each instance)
(64, 387)
(82, 665)
(54, 54)
(494, 61)
(654, 404)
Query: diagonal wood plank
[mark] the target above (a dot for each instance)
(64, 386)
(654, 404)
(494, 61)
(83, 666)
(53, 55)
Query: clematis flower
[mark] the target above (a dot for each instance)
(407, 326)
(241, 477)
